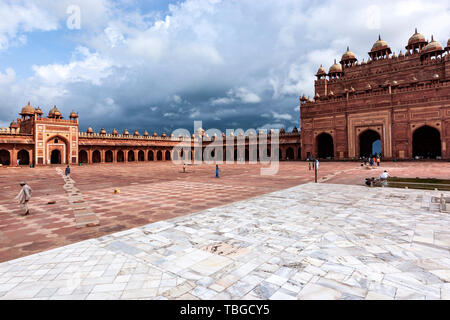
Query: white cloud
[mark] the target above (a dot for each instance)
(17, 17)
(92, 67)
(281, 116)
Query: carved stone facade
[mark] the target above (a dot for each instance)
(403, 101)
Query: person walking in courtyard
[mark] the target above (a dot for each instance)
(24, 196)
(371, 161)
(67, 171)
(317, 164)
(378, 161)
(217, 170)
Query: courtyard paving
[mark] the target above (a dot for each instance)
(149, 192)
(313, 241)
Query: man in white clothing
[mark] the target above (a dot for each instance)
(384, 175)
(24, 196)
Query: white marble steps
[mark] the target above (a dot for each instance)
(84, 216)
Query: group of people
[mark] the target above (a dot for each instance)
(372, 160)
(313, 164)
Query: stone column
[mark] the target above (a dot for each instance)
(102, 154)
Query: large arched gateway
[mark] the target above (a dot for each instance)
(325, 147)
(426, 143)
(369, 143)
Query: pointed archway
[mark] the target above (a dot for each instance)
(325, 146)
(55, 157)
(83, 156)
(427, 143)
(5, 157)
(369, 143)
(24, 157)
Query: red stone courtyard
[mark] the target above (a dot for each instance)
(151, 192)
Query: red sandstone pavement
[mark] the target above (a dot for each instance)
(151, 192)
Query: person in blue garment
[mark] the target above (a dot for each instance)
(217, 170)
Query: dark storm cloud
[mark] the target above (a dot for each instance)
(231, 64)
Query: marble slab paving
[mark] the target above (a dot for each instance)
(313, 241)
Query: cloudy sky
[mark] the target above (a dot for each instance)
(160, 65)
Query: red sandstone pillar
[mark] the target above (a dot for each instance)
(114, 156)
(14, 157)
(102, 154)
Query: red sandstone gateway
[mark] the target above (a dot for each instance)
(401, 100)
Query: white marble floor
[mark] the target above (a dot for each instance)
(313, 241)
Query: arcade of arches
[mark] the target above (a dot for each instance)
(88, 156)
(426, 144)
(20, 156)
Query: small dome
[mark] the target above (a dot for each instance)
(126, 133)
(348, 56)
(89, 130)
(155, 134)
(163, 135)
(433, 46)
(102, 131)
(379, 45)
(416, 38)
(145, 133)
(363, 62)
(73, 115)
(401, 54)
(13, 125)
(303, 98)
(115, 132)
(136, 133)
(321, 71)
(27, 110)
(282, 130)
(295, 130)
(335, 68)
(54, 113)
(38, 111)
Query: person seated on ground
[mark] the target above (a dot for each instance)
(371, 182)
(384, 175)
